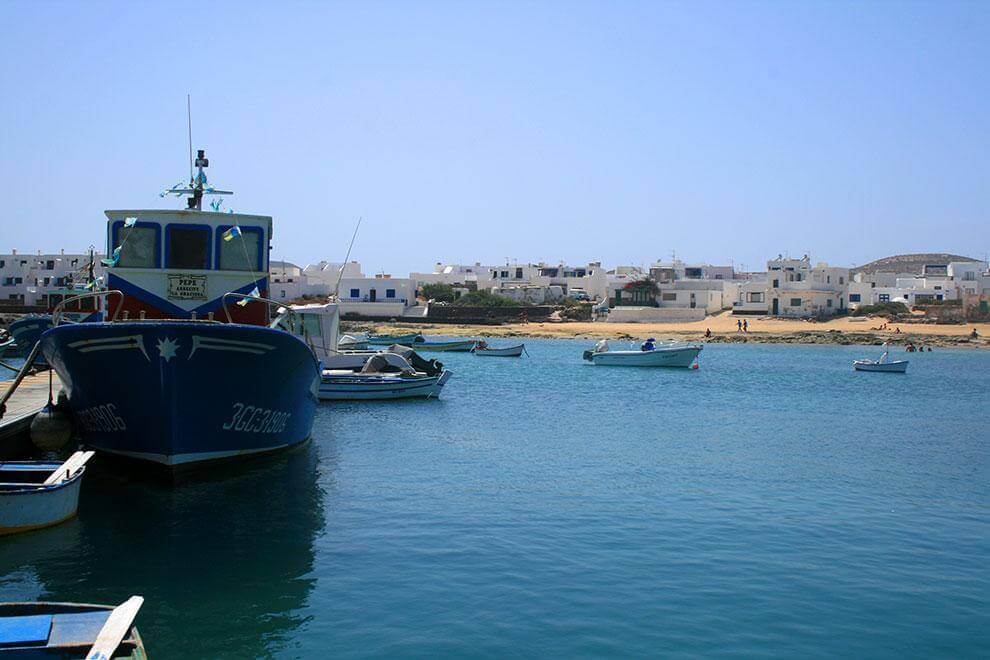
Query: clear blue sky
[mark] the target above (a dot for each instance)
(464, 131)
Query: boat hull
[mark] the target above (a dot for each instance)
(26, 332)
(449, 346)
(179, 394)
(680, 357)
(510, 351)
(385, 340)
(895, 367)
(35, 506)
(361, 387)
(68, 630)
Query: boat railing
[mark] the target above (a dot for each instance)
(60, 308)
(292, 314)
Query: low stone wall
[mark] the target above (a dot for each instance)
(655, 314)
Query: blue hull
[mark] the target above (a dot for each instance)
(179, 394)
(26, 333)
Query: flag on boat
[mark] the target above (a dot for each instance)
(130, 222)
(254, 294)
(114, 258)
(231, 234)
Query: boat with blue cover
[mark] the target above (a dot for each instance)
(185, 368)
(386, 340)
(70, 630)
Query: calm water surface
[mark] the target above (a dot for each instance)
(772, 502)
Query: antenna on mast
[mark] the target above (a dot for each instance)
(340, 273)
(189, 118)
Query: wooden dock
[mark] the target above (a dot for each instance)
(28, 399)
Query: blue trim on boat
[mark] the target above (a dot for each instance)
(119, 283)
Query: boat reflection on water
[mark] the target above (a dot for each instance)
(227, 562)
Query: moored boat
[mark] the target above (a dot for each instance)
(460, 346)
(483, 349)
(385, 375)
(71, 630)
(26, 332)
(37, 494)
(352, 343)
(662, 355)
(882, 365)
(386, 340)
(184, 369)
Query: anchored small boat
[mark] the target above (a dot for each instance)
(36, 494)
(352, 343)
(450, 346)
(71, 630)
(385, 375)
(882, 365)
(387, 340)
(483, 349)
(680, 355)
(26, 332)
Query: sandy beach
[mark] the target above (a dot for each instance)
(845, 330)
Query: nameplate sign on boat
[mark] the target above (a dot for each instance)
(187, 287)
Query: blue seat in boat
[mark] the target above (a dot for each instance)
(25, 630)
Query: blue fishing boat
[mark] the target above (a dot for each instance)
(26, 332)
(70, 630)
(186, 368)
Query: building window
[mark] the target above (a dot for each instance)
(854, 297)
(355, 293)
(754, 297)
(828, 303)
(841, 279)
(795, 302)
(390, 293)
(668, 296)
(776, 284)
(883, 297)
(518, 273)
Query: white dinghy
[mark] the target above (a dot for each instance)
(672, 354)
(882, 365)
(39, 494)
(483, 349)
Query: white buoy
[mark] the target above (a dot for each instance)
(51, 429)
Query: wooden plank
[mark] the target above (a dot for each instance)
(69, 468)
(115, 629)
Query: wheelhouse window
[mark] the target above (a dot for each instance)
(242, 252)
(138, 246)
(188, 247)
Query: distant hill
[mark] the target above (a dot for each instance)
(908, 263)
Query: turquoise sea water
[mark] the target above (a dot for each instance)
(772, 502)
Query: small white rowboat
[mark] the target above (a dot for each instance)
(893, 367)
(37, 494)
(508, 351)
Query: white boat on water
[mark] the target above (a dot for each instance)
(396, 372)
(671, 354)
(353, 343)
(386, 375)
(483, 349)
(39, 494)
(882, 365)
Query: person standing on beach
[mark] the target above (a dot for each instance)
(738, 325)
(745, 325)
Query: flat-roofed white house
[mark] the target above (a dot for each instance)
(471, 277)
(798, 289)
(381, 296)
(45, 279)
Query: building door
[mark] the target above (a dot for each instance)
(776, 307)
(693, 302)
(372, 295)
